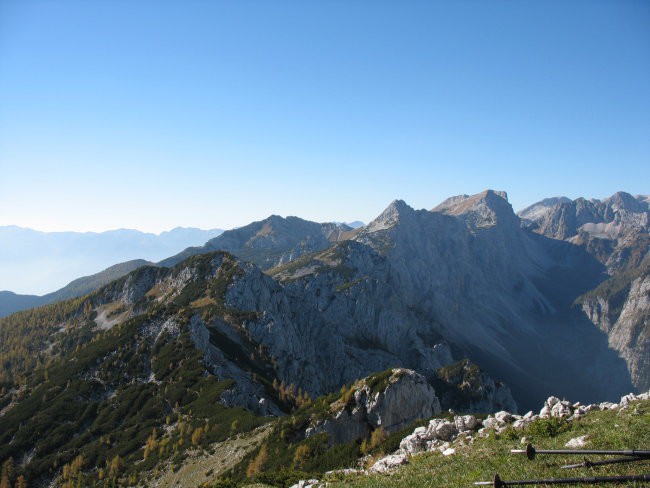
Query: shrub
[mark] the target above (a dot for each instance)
(549, 427)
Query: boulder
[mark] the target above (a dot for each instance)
(504, 417)
(465, 423)
(389, 463)
(562, 409)
(442, 429)
(577, 442)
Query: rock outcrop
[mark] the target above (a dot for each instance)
(445, 436)
(391, 401)
(462, 386)
(442, 435)
(621, 308)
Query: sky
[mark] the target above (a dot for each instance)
(212, 114)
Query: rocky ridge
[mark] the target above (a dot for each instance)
(272, 241)
(614, 230)
(445, 436)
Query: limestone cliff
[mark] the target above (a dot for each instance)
(621, 308)
(391, 401)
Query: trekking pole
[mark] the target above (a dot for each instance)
(589, 464)
(498, 482)
(530, 452)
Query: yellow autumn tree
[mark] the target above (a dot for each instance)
(256, 465)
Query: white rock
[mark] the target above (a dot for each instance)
(420, 430)
(490, 423)
(577, 442)
(520, 424)
(444, 430)
(448, 452)
(550, 401)
(561, 409)
(432, 445)
(545, 412)
(504, 417)
(627, 399)
(608, 406)
(345, 471)
(388, 463)
(465, 422)
(306, 484)
(415, 442)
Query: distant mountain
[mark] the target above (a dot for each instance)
(356, 224)
(36, 262)
(11, 302)
(614, 230)
(271, 242)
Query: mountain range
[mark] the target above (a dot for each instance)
(57, 258)
(553, 299)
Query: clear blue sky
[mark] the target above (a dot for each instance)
(153, 114)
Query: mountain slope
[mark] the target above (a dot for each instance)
(271, 242)
(11, 302)
(620, 307)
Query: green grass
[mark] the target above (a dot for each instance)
(628, 429)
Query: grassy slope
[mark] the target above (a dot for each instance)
(629, 429)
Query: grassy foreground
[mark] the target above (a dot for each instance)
(625, 429)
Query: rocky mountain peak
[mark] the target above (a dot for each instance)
(624, 201)
(482, 210)
(394, 213)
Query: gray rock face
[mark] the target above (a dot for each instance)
(271, 242)
(406, 397)
(245, 393)
(624, 315)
